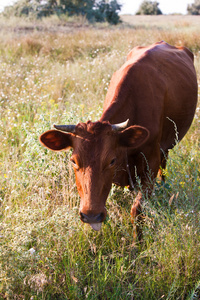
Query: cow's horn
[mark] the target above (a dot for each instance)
(67, 128)
(120, 126)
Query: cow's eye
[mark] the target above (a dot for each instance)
(113, 161)
(74, 163)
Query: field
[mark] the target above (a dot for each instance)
(58, 71)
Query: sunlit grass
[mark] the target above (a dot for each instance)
(46, 252)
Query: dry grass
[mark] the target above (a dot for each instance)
(50, 74)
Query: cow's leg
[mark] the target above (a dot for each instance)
(137, 214)
(137, 217)
(147, 183)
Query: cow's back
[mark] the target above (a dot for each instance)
(155, 88)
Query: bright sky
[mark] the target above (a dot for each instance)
(131, 6)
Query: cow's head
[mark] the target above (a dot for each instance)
(96, 154)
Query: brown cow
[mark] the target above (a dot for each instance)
(156, 90)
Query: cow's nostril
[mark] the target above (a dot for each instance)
(100, 217)
(83, 217)
(92, 218)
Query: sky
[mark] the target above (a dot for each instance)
(131, 6)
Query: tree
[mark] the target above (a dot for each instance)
(99, 10)
(194, 8)
(78, 7)
(36, 8)
(149, 8)
(104, 11)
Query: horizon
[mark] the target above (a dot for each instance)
(130, 7)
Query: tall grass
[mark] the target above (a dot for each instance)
(57, 76)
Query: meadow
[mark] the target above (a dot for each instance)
(58, 71)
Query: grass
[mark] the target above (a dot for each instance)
(53, 72)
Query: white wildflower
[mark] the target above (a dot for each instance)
(32, 251)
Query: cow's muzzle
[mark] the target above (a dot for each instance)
(95, 221)
(92, 218)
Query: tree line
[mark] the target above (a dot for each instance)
(92, 10)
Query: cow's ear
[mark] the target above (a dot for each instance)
(56, 140)
(133, 136)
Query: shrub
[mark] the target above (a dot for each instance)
(149, 8)
(194, 8)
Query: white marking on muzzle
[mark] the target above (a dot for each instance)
(96, 226)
